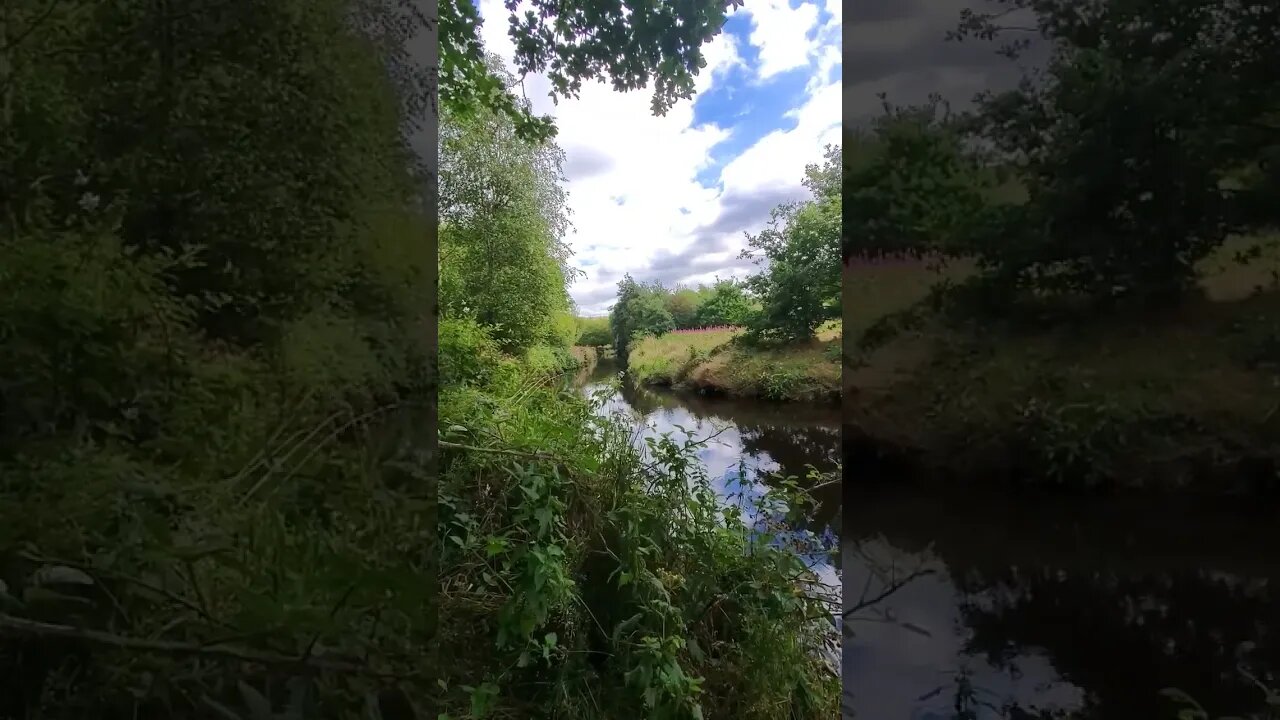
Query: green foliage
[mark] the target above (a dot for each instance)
(503, 213)
(549, 359)
(472, 352)
(1134, 144)
(640, 310)
(682, 303)
(799, 287)
(582, 581)
(910, 188)
(725, 303)
(594, 332)
(631, 45)
(212, 287)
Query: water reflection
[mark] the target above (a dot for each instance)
(1031, 606)
(750, 438)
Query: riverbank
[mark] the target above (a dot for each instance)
(711, 362)
(1182, 399)
(559, 562)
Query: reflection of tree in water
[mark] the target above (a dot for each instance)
(1123, 639)
(793, 448)
(1119, 613)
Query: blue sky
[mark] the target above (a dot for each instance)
(669, 198)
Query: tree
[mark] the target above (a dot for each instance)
(909, 186)
(682, 303)
(726, 303)
(594, 332)
(211, 241)
(503, 213)
(630, 43)
(639, 310)
(799, 285)
(1129, 139)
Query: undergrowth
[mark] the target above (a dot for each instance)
(582, 578)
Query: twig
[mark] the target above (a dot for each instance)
(48, 11)
(822, 486)
(500, 451)
(92, 570)
(332, 613)
(890, 589)
(10, 625)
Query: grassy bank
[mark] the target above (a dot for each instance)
(710, 361)
(1180, 398)
(578, 581)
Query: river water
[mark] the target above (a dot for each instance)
(1028, 605)
(986, 604)
(750, 437)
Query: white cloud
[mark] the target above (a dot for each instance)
(617, 149)
(778, 159)
(781, 32)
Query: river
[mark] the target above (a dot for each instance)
(1026, 604)
(750, 437)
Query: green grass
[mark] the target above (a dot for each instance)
(872, 291)
(709, 362)
(1174, 398)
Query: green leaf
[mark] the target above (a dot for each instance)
(60, 575)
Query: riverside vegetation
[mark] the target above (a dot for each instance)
(1082, 295)
(584, 574)
(1084, 301)
(218, 493)
(775, 335)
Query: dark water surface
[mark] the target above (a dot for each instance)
(1024, 605)
(750, 437)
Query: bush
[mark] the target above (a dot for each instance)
(468, 352)
(596, 336)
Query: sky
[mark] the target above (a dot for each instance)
(670, 198)
(899, 47)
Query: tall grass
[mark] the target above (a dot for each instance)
(709, 360)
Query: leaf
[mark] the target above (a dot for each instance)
(7, 601)
(299, 698)
(259, 706)
(60, 575)
(1181, 697)
(482, 699)
(223, 711)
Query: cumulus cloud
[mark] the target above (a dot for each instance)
(660, 197)
(899, 47)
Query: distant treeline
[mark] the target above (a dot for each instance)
(722, 303)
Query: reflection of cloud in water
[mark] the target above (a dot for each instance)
(892, 671)
(735, 456)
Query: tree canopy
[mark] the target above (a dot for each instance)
(503, 260)
(799, 253)
(631, 44)
(1144, 143)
